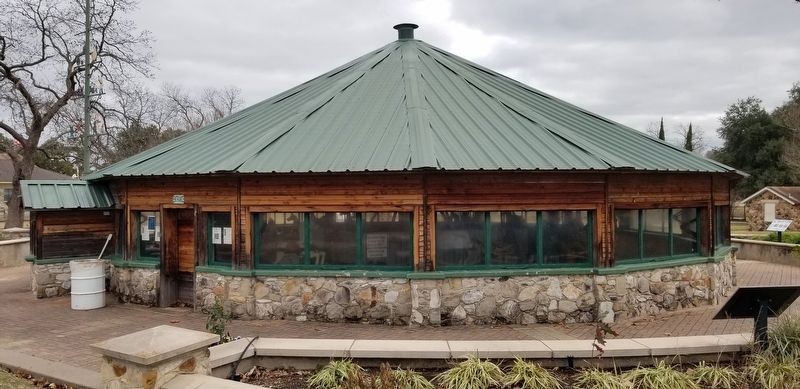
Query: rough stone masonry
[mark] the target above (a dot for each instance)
(470, 300)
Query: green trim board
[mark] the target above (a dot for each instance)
(443, 274)
(134, 264)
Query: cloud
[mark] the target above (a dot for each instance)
(633, 61)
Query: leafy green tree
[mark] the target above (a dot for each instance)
(661, 134)
(754, 143)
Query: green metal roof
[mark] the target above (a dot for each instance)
(64, 194)
(406, 106)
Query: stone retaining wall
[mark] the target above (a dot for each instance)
(470, 300)
(135, 285)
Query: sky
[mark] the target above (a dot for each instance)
(633, 61)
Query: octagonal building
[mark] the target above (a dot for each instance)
(407, 186)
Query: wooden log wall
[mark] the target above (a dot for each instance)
(423, 194)
(59, 234)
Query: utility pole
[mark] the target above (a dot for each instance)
(87, 89)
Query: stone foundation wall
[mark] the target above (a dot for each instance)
(135, 285)
(54, 279)
(50, 280)
(470, 300)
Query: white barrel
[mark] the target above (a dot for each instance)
(88, 284)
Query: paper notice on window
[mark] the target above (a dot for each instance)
(158, 234)
(216, 235)
(377, 245)
(145, 234)
(226, 235)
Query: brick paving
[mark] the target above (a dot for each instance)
(49, 329)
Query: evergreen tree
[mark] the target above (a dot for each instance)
(661, 130)
(689, 143)
(754, 143)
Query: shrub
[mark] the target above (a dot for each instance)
(594, 378)
(788, 237)
(715, 376)
(217, 319)
(529, 375)
(335, 374)
(660, 376)
(473, 373)
(770, 371)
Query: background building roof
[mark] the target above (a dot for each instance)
(406, 106)
(789, 193)
(7, 171)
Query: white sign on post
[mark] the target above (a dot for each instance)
(779, 225)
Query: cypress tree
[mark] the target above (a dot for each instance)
(661, 130)
(689, 144)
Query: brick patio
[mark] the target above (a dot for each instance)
(49, 329)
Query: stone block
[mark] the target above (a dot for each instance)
(288, 347)
(416, 349)
(500, 349)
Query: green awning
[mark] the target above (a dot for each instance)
(65, 194)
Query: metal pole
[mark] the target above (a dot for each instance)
(87, 90)
(760, 330)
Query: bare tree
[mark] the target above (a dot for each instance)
(195, 112)
(698, 144)
(40, 63)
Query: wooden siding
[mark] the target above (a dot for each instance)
(423, 194)
(72, 233)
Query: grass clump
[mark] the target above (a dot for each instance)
(400, 378)
(770, 371)
(784, 339)
(715, 376)
(335, 374)
(660, 376)
(529, 375)
(594, 378)
(473, 373)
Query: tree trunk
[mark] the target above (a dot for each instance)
(23, 170)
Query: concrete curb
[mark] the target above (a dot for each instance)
(57, 372)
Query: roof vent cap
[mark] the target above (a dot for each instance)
(405, 30)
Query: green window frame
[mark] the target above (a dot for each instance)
(488, 252)
(141, 246)
(216, 232)
(670, 238)
(310, 258)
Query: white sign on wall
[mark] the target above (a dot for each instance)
(779, 225)
(216, 235)
(377, 245)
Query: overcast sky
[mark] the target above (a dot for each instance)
(632, 61)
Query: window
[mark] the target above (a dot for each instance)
(148, 230)
(722, 226)
(513, 239)
(656, 233)
(220, 238)
(333, 239)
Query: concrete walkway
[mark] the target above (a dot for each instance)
(49, 329)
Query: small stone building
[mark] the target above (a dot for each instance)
(413, 186)
(770, 203)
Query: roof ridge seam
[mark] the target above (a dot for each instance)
(419, 125)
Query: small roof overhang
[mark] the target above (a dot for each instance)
(65, 194)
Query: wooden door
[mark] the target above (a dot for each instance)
(177, 256)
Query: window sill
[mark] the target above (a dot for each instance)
(136, 264)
